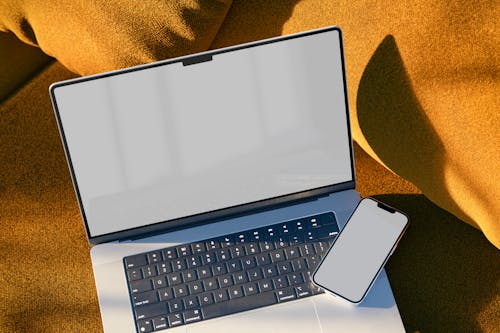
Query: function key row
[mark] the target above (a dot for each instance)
(308, 228)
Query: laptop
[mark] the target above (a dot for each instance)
(210, 186)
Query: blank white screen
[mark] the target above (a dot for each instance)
(172, 141)
(360, 250)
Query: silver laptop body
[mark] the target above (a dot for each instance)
(206, 145)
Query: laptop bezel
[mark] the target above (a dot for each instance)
(223, 213)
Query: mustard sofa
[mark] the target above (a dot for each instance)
(422, 86)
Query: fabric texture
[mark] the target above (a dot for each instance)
(443, 275)
(422, 80)
(423, 88)
(95, 36)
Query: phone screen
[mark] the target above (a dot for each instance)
(360, 251)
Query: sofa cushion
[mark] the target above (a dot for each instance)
(423, 89)
(96, 36)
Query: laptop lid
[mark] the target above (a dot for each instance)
(218, 133)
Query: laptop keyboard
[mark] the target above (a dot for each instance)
(229, 274)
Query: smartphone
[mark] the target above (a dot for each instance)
(361, 250)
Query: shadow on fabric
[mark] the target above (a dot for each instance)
(266, 21)
(443, 273)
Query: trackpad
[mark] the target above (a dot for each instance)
(297, 316)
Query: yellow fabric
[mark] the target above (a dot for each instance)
(18, 62)
(444, 274)
(95, 36)
(422, 75)
(423, 89)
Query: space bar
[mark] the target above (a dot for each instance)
(238, 305)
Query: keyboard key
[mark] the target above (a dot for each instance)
(254, 235)
(248, 263)
(220, 295)
(193, 261)
(320, 247)
(175, 319)
(306, 249)
(263, 259)
(295, 279)
(252, 248)
(150, 310)
(165, 294)
(285, 229)
(254, 274)
(219, 269)
(280, 282)
(134, 274)
(225, 281)
(265, 285)
(159, 282)
(145, 326)
(148, 297)
(212, 245)
(223, 255)
(191, 302)
(198, 247)
(228, 241)
(286, 294)
(237, 305)
(234, 266)
(277, 255)
(191, 316)
(180, 291)
(298, 265)
(195, 287)
(149, 271)
(270, 271)
(303, 290)
(312, 261)
(189, 276)
(169, 254)
(208, 258)
(266, 246)
(270, 232)
(175, 305)
(160, 323)
(284, 268)
(326, 219)
(299, 225)
(154, 257)
(240, 237)
(240, 277)
(237, 251)
(282, 242)
(329, 231)
(235, 292)
(140, 286)
(136, 261)
(204, 272)
(311, 223)
(296, 239)
(250, 288)
(174, 278)
(179, 265)
(206, 299)
(163, 268)
(292, 253)
(210, 284)
(184, 250)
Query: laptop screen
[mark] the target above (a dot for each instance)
(159, 143)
